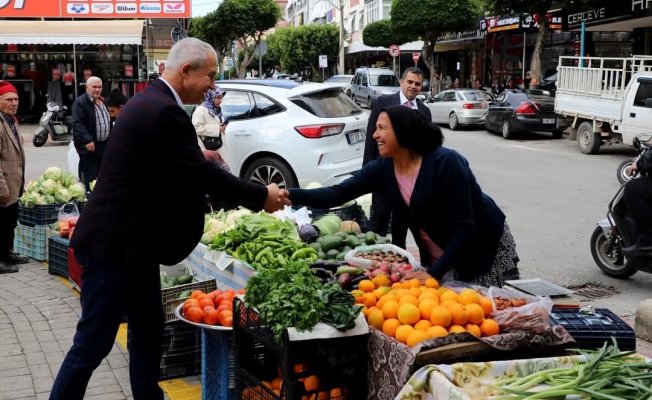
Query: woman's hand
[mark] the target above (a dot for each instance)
(420, 275)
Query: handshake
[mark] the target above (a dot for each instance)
(277, 198)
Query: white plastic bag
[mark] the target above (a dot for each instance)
(73, 160)
(67, 212)
(534, 316)
(362, 262)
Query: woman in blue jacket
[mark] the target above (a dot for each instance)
(461, 233)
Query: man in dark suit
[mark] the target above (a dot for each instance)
(147, 209)
(411, 83)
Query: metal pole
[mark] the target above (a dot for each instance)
(74, 68)
(583, 35)
(260, 60)
(524, 48)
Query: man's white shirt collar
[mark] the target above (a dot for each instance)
(405, 100)
(174, 92)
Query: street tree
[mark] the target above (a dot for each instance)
(300, 47)
(428, 19)
(207, 29)
(382, 34)
(538, 10)
(247, 21)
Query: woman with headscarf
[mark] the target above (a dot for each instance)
(208, 121)
(461, 233)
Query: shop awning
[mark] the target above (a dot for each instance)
(72, 32)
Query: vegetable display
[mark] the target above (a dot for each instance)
(220, 221)
(607, 374)
(335, 247)
(182, 279)
(54, 187)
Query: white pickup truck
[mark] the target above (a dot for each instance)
(606, 100)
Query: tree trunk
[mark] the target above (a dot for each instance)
(220, 63)
(428, 54)
(342, 30)
(539, 50)
(248, 56)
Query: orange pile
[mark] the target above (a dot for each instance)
(214, 308)
(311, 383)
(411, 312)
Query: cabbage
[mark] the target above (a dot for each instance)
(48, 199)
(62, 196)
(68, 180)
(40, 201)
(329, 224)
(78, 192)
(364, 201)
(53, 173)
(48, 186)
(33, 186)
(30, 200)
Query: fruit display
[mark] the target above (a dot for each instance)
(394, 271)
(214, 308)
(314, 389)
(503, 304)
(388, 257)
(411, 312)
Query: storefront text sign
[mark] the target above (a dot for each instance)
(56, 74)
(587, 16)
(11, 71)
(506, 23)
(129, 71)
(96, 8)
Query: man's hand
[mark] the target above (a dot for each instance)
(276, 198)
(90, 146)
(420, 275)
(4, 199)
(631, 169)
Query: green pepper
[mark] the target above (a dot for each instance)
(250, 256)
(302, 253)
(281, 260)
(269, 243)
(272, 237)
(262, 253)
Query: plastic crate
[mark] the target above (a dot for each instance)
(58, 256)
(42, 215)
(74, 270)
(169, 296)
(218, 365)
(32, 241)
(180, 365)
(591, 331)
(339, 362)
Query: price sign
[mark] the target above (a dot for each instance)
(56, 74)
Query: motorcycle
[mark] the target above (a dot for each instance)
(55, 124)
(616, 232)
(645, 141)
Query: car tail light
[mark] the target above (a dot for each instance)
(319, 131)
(526, 108)
(468, 106)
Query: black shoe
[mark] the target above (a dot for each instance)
(638, 250)
(15, 258)
(6, 268)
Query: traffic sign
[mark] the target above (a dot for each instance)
(415, 57)
(394, 50)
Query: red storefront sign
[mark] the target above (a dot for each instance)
(56, 74)
(95, 9)
(129, 71)
(11, 71)
(87, 74)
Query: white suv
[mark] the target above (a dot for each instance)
(290, 134)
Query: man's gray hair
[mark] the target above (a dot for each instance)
(188, 51)
(92, 79)
(412, 70)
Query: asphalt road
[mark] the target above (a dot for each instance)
(552, 196)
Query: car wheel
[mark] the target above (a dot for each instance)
(453, 122)
(348, 93)
(588, 141)
(370, 105)
(508, 133)
(268, 170)
(557, 134)
(487, 127)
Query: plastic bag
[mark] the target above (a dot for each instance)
(362, 262)
(73, 160)
(68, 215)
(534, 316)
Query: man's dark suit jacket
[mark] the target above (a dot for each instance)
(150, 195)
(370, 146)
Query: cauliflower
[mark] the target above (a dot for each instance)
(211, 228)
(230, 220)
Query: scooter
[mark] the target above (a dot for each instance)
(613, 234)
(645, 140)
(54, 124)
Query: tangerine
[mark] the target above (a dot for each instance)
(426, 306)
(357, 294)
(447, 303)
(450, 295)
(408, 314)
(489, 327)
(390, 326)
(207, 309)
(369, 300)
(486, 305)
(194, 314)
(277, 383)
(456, 329)
(440, 316)
(402, 333)
(431, 283)
(428, 295)
(436, 331)
(206, 302)
(416, 337)
(476, 313)
(381, 280)
(312, 383)
(423, 325)
(211, 317)
(469, 296)
(390, 309)
(376, 319)
(414, 283)
(366, 286)
(224, 314)
(408, 299)
(473, 329)
(365, 310)
(416, 291)
(381, 291)
(190, 303)
(195, 294)
(458, 314)
(204, 297)
(227, 321)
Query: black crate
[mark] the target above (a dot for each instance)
(42, 215)
(58, 256)
(180, 365)
(591, 331)
(338, 362)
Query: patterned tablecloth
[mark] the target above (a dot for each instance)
(391, 362)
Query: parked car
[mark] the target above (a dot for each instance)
(290, 134)
(371, 83)
(458, 107)
(347, 80)
(518, 110)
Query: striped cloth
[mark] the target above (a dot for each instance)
(102, 122)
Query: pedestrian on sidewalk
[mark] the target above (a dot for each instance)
(12, 177)
(118, 240)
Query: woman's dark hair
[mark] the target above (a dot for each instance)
(413, 130)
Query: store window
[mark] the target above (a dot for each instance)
(387, 7)
(643, 93)
(373, 11)
(267, 106)
(236, 105)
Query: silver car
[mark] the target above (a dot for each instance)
(342, 79)
(459, 107)
(371, 83)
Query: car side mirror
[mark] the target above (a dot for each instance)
(648, 102)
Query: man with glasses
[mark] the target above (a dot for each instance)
(381, 212)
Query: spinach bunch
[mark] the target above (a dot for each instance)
(339, 309)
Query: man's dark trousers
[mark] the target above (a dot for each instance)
(108, 289)
(8, 222)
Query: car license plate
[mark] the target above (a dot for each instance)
(356, 137)
(548, 120)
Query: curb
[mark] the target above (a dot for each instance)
(643, 321)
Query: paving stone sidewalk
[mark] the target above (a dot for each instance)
(38, 317)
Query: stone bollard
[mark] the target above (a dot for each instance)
(643, 322)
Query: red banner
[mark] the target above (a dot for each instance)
(96, 8)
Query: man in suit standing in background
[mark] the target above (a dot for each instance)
(411, 84)
(153, 168)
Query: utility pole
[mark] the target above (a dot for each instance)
(340, 9)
